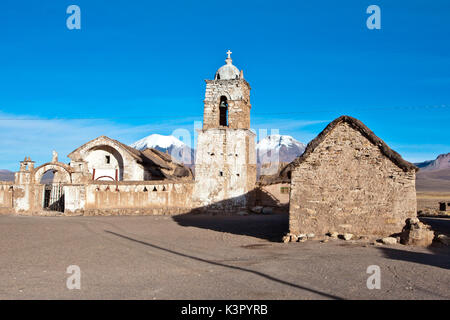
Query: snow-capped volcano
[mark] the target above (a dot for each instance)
(157, 141)
(278, 148)
(173, 146)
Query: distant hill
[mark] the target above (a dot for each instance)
(434, 175)
(6, 175)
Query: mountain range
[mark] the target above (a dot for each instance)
(6, 175)
(434, 175)
(179, 151)
(272, 148)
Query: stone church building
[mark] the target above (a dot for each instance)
(347, 180)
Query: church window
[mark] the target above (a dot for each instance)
(223, 108)
(108, 159)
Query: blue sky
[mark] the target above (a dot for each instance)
(137, 67)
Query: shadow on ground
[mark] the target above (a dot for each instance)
(439, 225)
(223, 265)
(438, 256)
(271, 227)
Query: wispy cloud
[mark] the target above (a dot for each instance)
(22, 136)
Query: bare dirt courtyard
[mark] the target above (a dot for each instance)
(205, 257)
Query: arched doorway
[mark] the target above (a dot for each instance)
(105, 163)
(52, 177)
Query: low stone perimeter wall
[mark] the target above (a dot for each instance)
(6, 197)
(128, 198)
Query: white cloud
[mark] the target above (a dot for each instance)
(22, 136)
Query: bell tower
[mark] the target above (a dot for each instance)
(225, 167)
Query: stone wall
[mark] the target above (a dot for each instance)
(347, 185)
(142, 197)
(6, 197)
(225, 170)
(237, 93)
(272, 195)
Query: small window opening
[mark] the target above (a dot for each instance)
(284, 190)
(221, 173)
(154, 189)
(223, 108)
(108, 159)
(145, 189)
(237, 174)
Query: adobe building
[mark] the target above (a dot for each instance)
(349, 181)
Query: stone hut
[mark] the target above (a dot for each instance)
(349, 181)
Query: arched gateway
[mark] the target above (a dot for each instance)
(53, 192)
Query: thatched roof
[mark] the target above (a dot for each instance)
(365, 131)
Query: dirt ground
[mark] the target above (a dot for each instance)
(205, 257)
(428, 202)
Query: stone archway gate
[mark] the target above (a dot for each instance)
(51, 196)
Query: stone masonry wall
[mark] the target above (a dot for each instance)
(347, 185)
(144, 197)
(225, 169)
(238, 96)
(6, 197)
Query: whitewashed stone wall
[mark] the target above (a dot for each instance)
(225, 170)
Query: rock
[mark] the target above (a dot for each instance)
(257, 209)
(267, 210)
(333, 235)
(302, 239)
(416, 233)
(294, 238)
(346, 236)
(389, 240)
(286, 239)
(310, 235)
(442, 238)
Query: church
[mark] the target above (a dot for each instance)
(347, 179)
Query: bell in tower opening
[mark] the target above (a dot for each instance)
(223, 107)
